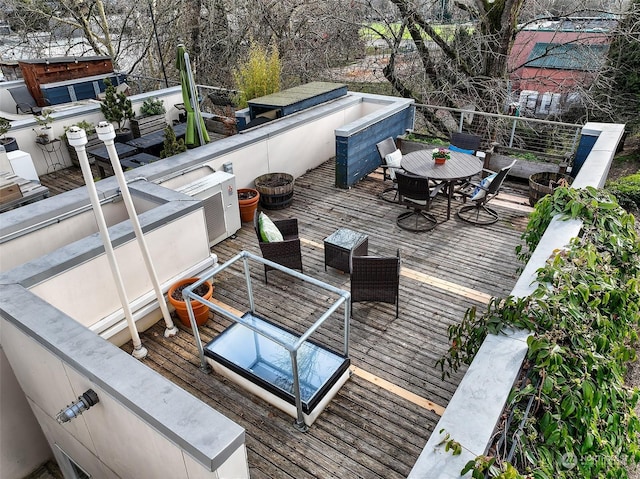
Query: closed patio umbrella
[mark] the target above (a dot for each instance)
(195, 122)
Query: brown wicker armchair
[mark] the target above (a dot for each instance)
(286, 252)
(375, 278)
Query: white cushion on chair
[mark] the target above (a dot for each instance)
(393, 161)
(479, 193)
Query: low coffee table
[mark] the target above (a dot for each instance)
(341, 245)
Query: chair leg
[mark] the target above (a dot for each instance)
(416, 220)
(477, 214)
(390, 195)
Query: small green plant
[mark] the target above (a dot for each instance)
(152, 106)
(172, 145)
(87, 126)
(116, 107)
(429, 140)
(259, 76)
(5, 126)
(44, 118)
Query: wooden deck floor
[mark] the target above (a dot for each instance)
(380, 420)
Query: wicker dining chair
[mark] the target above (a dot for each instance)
(375, 278)
(287, 252)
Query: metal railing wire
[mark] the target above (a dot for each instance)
(549, 138)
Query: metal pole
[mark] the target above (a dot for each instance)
(155, 31)
(106, 134)
(299, 423)
(78, 139)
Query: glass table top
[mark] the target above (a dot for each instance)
(345, 238)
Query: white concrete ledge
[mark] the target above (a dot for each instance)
(475, 408)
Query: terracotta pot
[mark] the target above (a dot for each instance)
(440, 161)
(248, 199)
(200, 311)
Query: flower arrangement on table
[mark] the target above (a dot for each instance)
(440, 155)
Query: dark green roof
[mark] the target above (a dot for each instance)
(567, 56)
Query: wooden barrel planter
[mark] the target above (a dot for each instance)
(542, 184)
(276, 190)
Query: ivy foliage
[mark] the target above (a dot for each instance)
(583, 317)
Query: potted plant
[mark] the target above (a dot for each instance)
(200, 310)
(151, 118)
(172, 145)
(248, 199)
(440, 155)
(92, 139)
(44, 131)
(10, 143)
(117, 109)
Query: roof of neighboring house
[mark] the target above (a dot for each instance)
(567, 56)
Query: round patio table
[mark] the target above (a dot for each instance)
(458, 167)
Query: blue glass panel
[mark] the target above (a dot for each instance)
(258, 357)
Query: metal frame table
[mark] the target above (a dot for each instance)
(52, 154)
(458, 167)
(341, 245)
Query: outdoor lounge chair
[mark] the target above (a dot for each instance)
(25, 102)
(286, 252)
(389, 165)
(477, 212)
(375, 278)
(416, 193)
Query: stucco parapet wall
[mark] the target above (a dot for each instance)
(219, 148)
(171, 205)
(33, 213)
(164, 406)
(391, 105)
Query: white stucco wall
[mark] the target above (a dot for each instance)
(110, 440)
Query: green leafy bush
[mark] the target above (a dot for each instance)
(574, 416)
(626, 190)
(259, 76)
(152, 106)
(172, 145)
(116, 107)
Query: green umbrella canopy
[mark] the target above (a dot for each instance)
(196, 133)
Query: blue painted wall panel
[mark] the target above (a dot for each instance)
(82, 90)
(357, 156)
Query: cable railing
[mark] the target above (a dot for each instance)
(551, 139)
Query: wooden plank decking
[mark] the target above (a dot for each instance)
(381, 419)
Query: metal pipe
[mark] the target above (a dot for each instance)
(78, 139)
(155, 33)
(299, 423)
(106, 134)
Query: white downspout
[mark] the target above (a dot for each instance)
(106, 134)
(78, 139)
